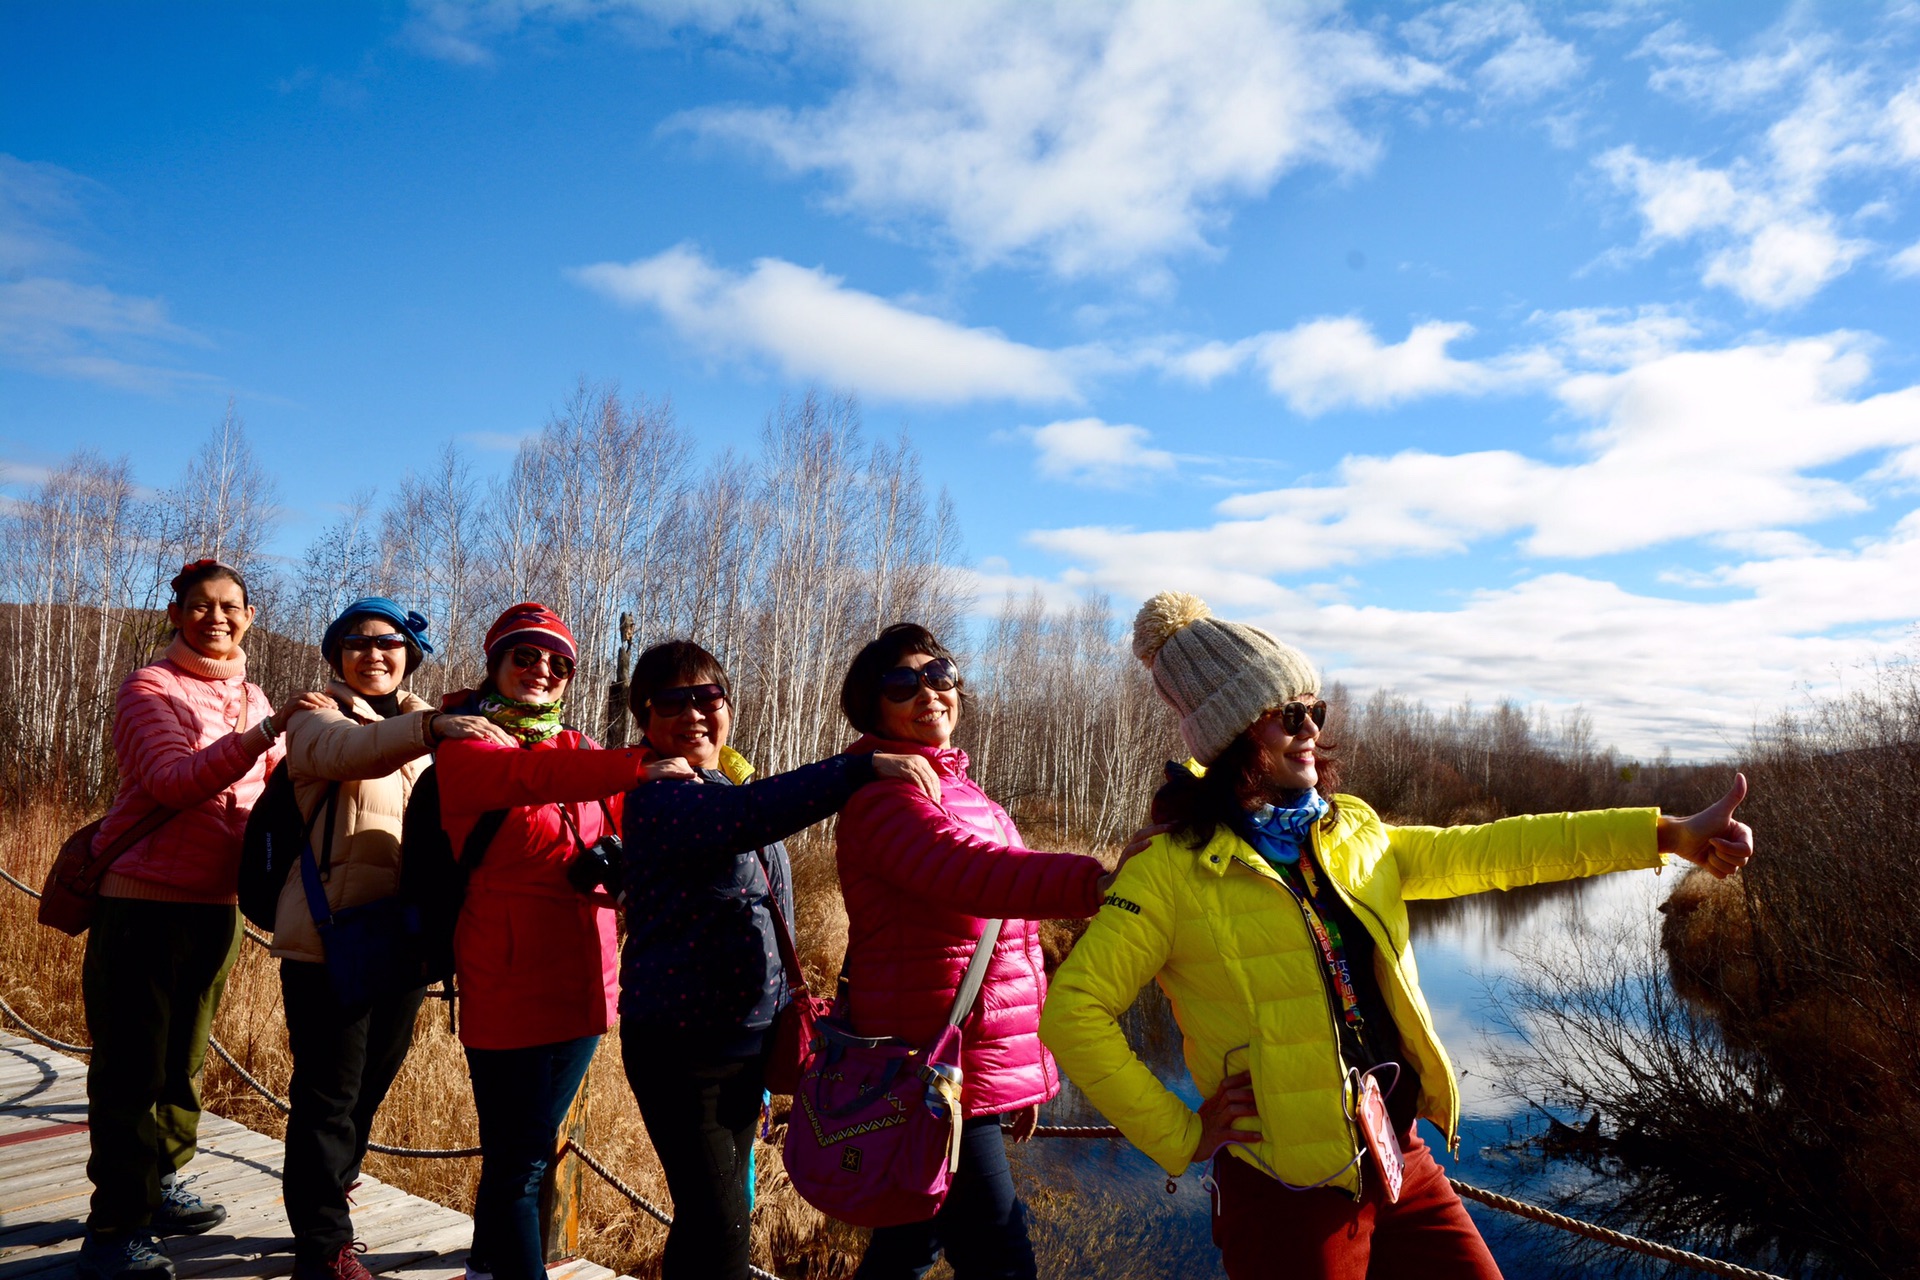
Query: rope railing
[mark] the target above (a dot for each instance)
(641, 1202)
(1492, 1199)
(1607, 1235)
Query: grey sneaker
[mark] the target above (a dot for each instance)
(181, 1212)
(122, 1255)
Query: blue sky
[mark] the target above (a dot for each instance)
(1563, 352)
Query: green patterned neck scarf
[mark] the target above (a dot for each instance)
(531, 722)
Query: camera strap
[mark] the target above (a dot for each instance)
(579, 841)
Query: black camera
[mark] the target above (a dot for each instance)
(601, 866)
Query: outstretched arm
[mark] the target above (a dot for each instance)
(1711, 837)
(163, 755)
(476, 775)
(692, 818)
(898, 834)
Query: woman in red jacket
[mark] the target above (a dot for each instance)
(921, 880)
(536, 958)
(193, 735)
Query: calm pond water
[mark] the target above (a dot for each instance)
(1464, 948)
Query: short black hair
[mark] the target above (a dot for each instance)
(860, 691)
(672, 664)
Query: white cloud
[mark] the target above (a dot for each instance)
(1764, 217)
(1089, 451)
(1733, 447)
(1525, 61)
(812, 327)
(1769, 245)
(1338, 362)
(1099, 138)
(1907, 261)
(1614, 337)
(54, 325)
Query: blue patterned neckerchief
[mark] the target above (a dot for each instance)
(1281, 833)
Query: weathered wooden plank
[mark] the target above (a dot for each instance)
(44, 1194)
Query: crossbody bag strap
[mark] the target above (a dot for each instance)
(782, 932)
(133, 835)
(976, 975)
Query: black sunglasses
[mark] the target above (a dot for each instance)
(526, 657)
(674, 702)
(902, 684)
(385, 643)
(1294, 716)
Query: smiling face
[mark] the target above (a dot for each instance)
(213, 618)
(928, 718)
(371, 671)
(535, 682)
(1292, 763)
(696, 732)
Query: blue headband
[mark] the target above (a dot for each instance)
(411, 625)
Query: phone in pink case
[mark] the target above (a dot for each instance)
(1381, 1140)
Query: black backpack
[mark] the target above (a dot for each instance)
(431, 877)
(276, 832)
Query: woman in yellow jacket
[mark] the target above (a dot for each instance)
(1273, 914)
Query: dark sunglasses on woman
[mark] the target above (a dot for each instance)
(386, 643)
(1294, 715)
(902, 684)
(526, 657)
(674, 702)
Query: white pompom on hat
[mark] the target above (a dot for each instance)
(1218, 676)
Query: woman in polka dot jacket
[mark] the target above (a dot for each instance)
(700, 978)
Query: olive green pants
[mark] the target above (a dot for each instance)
(152, 978)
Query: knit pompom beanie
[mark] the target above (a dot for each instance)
(1218, 676)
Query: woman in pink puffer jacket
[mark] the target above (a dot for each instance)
(921, 881)
(193, 736)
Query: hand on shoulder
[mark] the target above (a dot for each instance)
(908, 768)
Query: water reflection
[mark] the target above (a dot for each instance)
(1464, 948)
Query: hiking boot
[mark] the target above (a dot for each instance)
(122, 1255)
(343, 1265)
(181, 1212)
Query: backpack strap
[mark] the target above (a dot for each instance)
(475, 846)
(317, 905)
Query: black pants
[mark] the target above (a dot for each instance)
(982, 1226)
(521, 1097)
(344, 1060)
(701, 1118)
(151, 980)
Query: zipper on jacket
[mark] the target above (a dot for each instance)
(1393, 959)
(1333, 1025)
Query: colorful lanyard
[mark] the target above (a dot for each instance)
(1333, 952)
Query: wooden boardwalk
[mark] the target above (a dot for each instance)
(44, 1190)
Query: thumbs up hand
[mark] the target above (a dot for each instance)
(1712, 837)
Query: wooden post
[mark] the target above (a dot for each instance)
(616, 735)
(565, 1187)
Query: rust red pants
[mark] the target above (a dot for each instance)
(1266, 1232)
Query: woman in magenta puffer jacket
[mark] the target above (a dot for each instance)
(921, 880)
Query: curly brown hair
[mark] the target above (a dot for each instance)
(1197, 806)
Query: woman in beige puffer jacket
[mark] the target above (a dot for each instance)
(372, 745)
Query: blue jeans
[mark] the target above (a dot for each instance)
(521, 1096)
(982, 1227)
